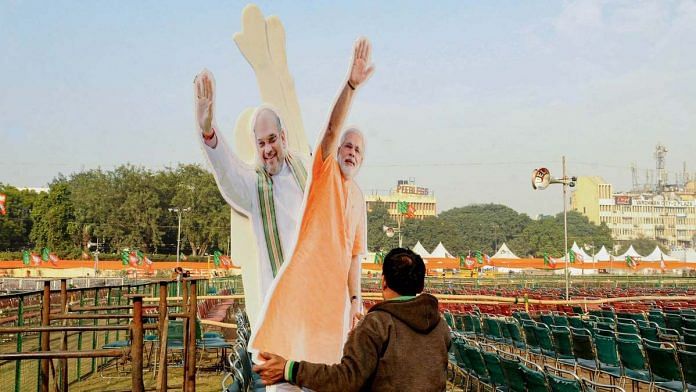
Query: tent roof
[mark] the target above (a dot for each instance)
(504, 253)
(602, 255)
(684, 254)
(657, 254)
(630, 252)
(441, 252)
(579, 251)
(420, 250)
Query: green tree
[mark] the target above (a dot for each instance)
(54, 219)
(377, 218)
(16, 225)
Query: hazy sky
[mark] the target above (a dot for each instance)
(467, 97)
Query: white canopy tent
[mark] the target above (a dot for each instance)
(602, 255)
(419, 249)
(658, 255)
(630, 252)
(688, 255)
(504, 253)
(579, 251)
(440, 252)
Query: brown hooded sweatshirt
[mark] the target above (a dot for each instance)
(400, 345)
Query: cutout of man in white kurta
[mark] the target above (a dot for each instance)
(262, 42)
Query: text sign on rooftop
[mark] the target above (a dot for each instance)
(412, 190)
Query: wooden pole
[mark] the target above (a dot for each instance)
(45, 336)
(137, 384)
(190, 380)
(163, 329)
(64, 343)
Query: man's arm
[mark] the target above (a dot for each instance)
(233, 176)
(354, 291)
(360, 71)
(360, 356)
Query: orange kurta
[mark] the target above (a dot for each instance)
(305, 316)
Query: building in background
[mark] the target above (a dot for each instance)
(656, 210)
(406, 199)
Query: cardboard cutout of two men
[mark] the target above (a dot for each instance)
(310, 288)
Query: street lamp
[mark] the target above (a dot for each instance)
(179, 211)
(390, 231)
(541, 178)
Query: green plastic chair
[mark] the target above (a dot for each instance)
(514, 378)
(688, 323)
(627, 328)
(575, 322)
(515, 335)
(561, 321)
(649, 333)
(562, 381)
(534, 378)
(449, 319)
(495, 371)
(493, 331)
(673, 321)
(461, 362)
(633, 361)
(478, 366)
(687, 361)
(563, 345)
(546, 318)
(543, 337)
(657, 318)
(608, 356)
(530, 339)
(584, 351)
(664, 366)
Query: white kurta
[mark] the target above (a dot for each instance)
(237, 182)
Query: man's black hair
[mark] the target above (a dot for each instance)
(404, 271)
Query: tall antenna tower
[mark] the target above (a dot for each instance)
(660, 154)
(634, 176)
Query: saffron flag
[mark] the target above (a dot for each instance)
(487, 258)
(226, 261)
(53, 258)
(133, 259)
(411, 211)
(36, 259)
(662, 263)
(3, 209)
(550, 261)
(579, 258)
(470, 262)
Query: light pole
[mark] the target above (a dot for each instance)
(390, 231)
(179, 211)
(541, 178)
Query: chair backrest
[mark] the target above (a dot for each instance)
(673, 321)
(662, 358)
(468, 323)
(562, 381)
(534, 378)
(478, 366)
(458, 322)
(583, 347)
(631, 354)
(514, 378)
(495, 371)
(546, 318)
(688, 322)
(627, 328)
(493, 328)
(561, 321)
(649, 333)
(530, 336)
(687, 361)
(562, 342)
(514, 331)
(575, 322)
(543, 336)
(657, 318)
(448, 318)
(460, 354)
(606, 350)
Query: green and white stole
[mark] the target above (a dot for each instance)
(267, 208)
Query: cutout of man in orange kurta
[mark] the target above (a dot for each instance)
(315, 300)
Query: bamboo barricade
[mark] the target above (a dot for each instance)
(136, 328)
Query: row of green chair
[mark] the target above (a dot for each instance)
(484, 365)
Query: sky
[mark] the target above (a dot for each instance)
(467, 97)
